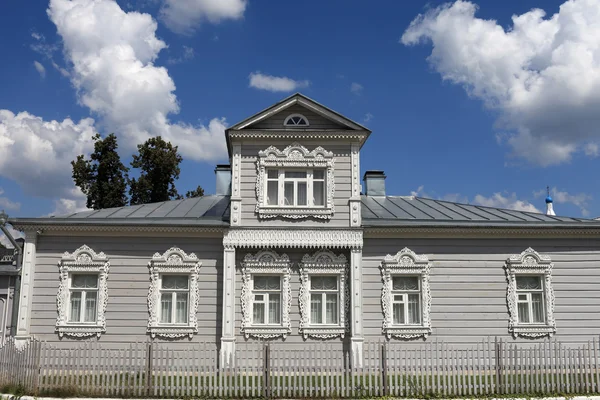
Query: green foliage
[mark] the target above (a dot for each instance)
(198, 192)
(158, 162)
(103, 177)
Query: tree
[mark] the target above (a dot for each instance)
(198, 192)
(103, 177)
(159, 164)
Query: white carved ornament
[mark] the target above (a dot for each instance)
(324, 262)
(405, 262)
(82, 260)
(266, 263)
(530, 262)
(293, 238)
(173, 261)
(294, 156)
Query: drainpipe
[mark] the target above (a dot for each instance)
(18, 262)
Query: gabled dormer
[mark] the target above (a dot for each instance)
(296, 162)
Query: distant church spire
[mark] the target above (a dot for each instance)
(549, 208)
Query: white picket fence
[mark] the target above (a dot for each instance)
(319, 370)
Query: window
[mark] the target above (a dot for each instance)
(295, 183)
(82, 293)
(530, 296)
(323, 295)
(173, 294)
(266, 295)
(406, 297)
(296, 120)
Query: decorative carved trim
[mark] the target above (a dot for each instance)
(405, 262)
(172, 261)
(355, 201)
(266, 263)
(323, 262)
(358, 136)
(294, 156)
(85, 260)
(301, 238)
(530, 262)
(235, 218)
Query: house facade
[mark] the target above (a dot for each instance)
(293, 249)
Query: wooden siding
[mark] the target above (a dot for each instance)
(342, 179)
(128, 283)
(468, 285)
(315, 120)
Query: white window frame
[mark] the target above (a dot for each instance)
(265, 263)
(405, 263)
(530, 262)
(282, 179)
(173, 293)
(287, 120)
(323, 262)
(173, 262)
(86, 261)
(294, 157)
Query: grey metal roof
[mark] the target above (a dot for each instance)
(200, 211)
(416, 211)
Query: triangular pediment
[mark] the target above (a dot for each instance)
(316, 117)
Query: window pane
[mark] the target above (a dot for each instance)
(175, 281)
(398, 317)
(523, 311)
(181, 308)
(332, 308)
(301, 121)
(289, 193)
(323, 282)
(529, 282)
(319, 193)
(259, 313)
(537, 304)
(166, 302)
(267, 282)
(405, 283)
(90, 307)
(274, 308)
(295, 174)
(84, 281)
(75, 307)
(302, 197)
(272, 193)
(319, 174)
(272, 174)
(316, 308)
(414, 309)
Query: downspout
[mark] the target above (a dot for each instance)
(18, 262)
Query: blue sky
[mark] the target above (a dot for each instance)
(467, 104)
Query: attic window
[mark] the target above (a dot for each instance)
(296, 120)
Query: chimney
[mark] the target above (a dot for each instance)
(374, 183)
(223, 175)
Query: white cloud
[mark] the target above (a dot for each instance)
(591, 150)
(368, 117)
(507, 201)
(37, 36)
(275, 83)
(76, 202)
(356, 88)
(541, 74)
(580, 200)
(7, 204)
(40, 69)
(188, 54)
(184, 16)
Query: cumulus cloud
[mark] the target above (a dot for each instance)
(40, 68)
(541, 74)
(507, 200)
(76, 202)
(7, 204)
(356, 88)
(275, 83)
(184, 16)
(580, 200)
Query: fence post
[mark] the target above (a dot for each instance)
(499, 384)
(149, 369)
(383, 365)
(266, 371)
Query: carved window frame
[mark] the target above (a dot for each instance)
(173, 261)
(294, 156)
(323, 262)
(87, 261)
(530, 262)
(266, 262)
(406, 262)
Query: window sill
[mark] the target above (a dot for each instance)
(266, 331)
(172, 331)
(533, 331)
(407, 332)
(80, 330)
(324, 331)
(295, 212)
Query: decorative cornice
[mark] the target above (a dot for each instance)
(358, 136)
(452, 231)
(301, 238)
